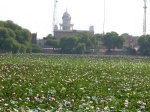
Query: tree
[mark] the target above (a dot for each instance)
(14, 36)
(144, 43)
(4, 33)
(52, 42)
(131, 50)
(118, 42)
(112, 40)
(49, 36)
(99, 37)
(16, 47)
(67, 44)
(23, 48)
(23, 37)
(8, 44)
(80, 48)
(36, 48)
(7, 40)
(130, 41)
(29, 49)
(86, 38)
(10, 24)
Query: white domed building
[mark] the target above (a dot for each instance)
(66, 28)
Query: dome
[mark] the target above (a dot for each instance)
(91, 28)
(66, 22)
(66, 15)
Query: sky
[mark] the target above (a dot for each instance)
(121, 16)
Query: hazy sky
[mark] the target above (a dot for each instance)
(122, 16)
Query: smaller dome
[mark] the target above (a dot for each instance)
(66, 15)
(91, 28)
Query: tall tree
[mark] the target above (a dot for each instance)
(49, 36)
(86, 38)
(7, 40)
(80, 48)
(98, 39)
(52, 42)
(21, 36)
(112, 40)
(144, 43)
(36, 48)
(68, 43)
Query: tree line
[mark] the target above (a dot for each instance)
(82, 43)
(15, 39)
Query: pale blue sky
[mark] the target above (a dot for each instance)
(122, 16)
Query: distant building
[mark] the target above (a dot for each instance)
(41, 42)
(66, 28)
(34, 38)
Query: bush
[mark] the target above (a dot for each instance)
(131, 51)
(36, 48)
(80, 48)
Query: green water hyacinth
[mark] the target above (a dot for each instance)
(74, 83)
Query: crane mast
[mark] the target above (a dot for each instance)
(144, 19)
(104, 17)
(55, 20)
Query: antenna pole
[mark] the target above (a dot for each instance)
(144, 19)
(104, 18)
(55, 21)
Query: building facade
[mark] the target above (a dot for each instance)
(34, 38)
(66, 28)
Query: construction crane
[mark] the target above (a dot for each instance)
(144, 19)
(55, 20)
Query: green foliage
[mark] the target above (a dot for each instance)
(107, 40)
(131, 51)
(1, 24)
(36, 48)
(8, 44)
(77, 44)
(26, 35)
(119, 42)
(49, 36)
(80, 48)
(52, 42)
(29, 49)
(144, 43)
(4, 33)
(77, 83)
(11, 35)
(16, 47)
(67, 44)
(99, 37)
(7, 40)
(23, 36)
(10, 24)
(86, 38)
(112, 40)
(23, 48)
